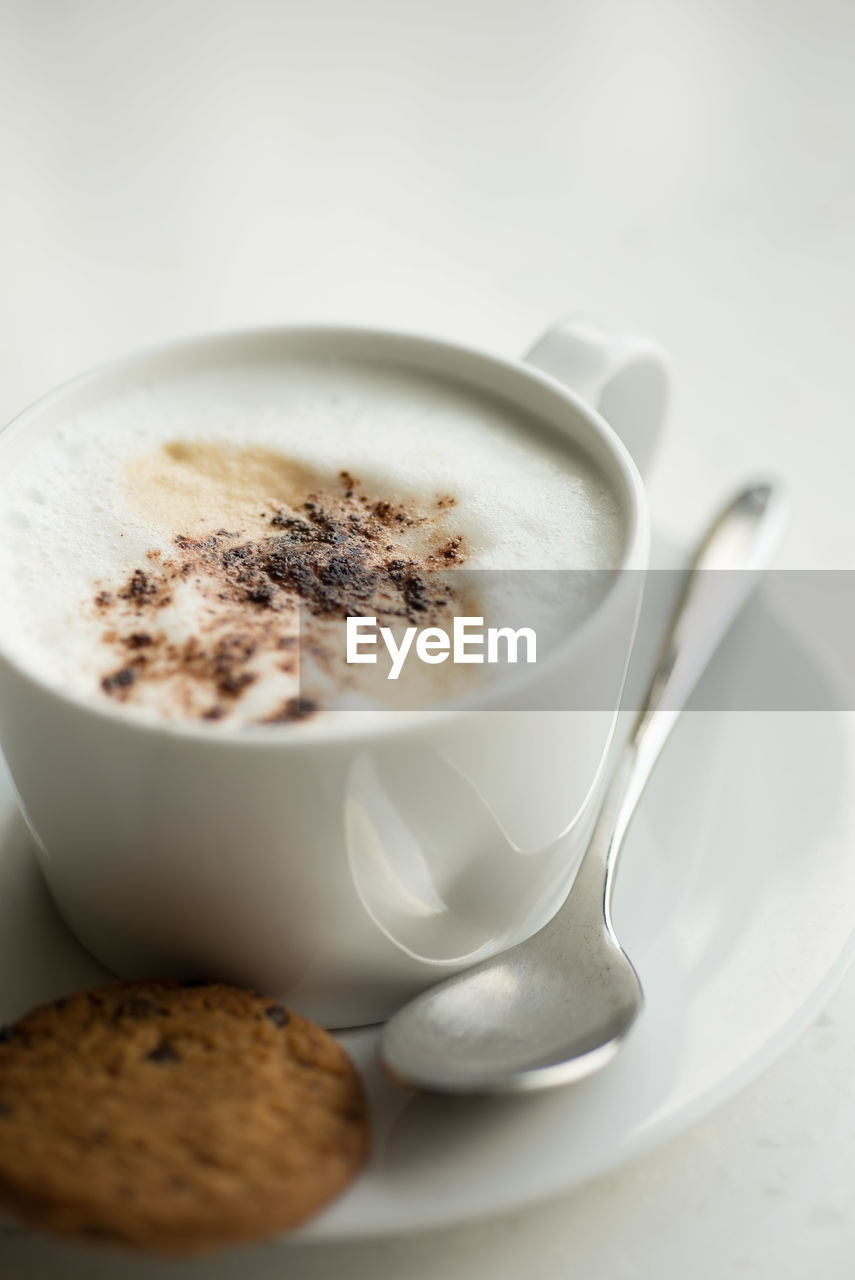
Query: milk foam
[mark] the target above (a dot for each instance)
(70, 519)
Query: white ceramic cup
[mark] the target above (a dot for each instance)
(345, 869)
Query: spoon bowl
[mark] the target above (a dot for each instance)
(578, 1036)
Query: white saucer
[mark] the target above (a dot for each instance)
(736, 900)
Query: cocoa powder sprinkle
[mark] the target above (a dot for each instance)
(340, 552)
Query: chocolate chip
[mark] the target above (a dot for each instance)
(278, 1015)
(6, 1034)
(5, 1109)
(137, 1007)
(163, 1052)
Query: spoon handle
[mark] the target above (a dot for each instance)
(720, 579)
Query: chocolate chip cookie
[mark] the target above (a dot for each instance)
(176, 1117)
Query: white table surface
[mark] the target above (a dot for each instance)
(476, 169)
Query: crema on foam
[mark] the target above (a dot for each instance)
(199, 481)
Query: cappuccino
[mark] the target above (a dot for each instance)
(173, 550)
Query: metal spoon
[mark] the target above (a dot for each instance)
(557, 1007)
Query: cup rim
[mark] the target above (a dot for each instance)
(340, 725)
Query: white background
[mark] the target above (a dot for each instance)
(476, 169)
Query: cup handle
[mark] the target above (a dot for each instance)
(621, 374)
